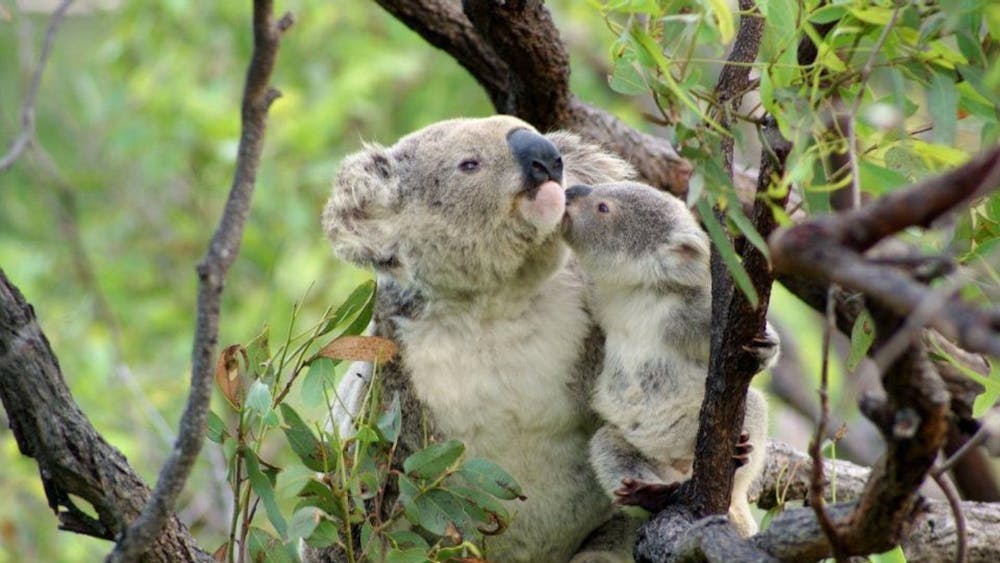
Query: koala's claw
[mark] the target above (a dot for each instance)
(743, 448)
(653, 497)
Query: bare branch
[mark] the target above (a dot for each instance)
(962, 547)
(816, 479)
(222, 252)
(26, 135)
(73, 459)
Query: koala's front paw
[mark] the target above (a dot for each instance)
(654, 497)
(765, 348)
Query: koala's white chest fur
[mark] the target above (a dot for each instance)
(650, 388)
(501, 381)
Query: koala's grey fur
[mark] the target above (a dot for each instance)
(497, 348)
(648, 261)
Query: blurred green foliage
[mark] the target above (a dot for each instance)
(138, 122)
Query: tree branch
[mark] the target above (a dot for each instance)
(26, 135)
(212, 270)
(514, 50)
(73, 459)
(830, 248)
(735, 322)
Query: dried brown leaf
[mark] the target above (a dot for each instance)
(361, 348)
(221, 553)
(229, 377)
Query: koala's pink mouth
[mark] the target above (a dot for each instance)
(532, 192)
(543, 205)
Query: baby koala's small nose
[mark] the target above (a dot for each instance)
(578, 191)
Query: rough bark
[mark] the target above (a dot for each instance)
(73, 459)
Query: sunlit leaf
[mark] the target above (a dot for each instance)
(862, 336)
(991, 382)
(258, 398)
(942, 102)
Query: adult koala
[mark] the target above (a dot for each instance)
(460, 221)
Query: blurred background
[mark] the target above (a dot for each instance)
(138, 120)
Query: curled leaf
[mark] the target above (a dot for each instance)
(230, 379)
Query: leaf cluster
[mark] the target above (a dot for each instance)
(450, 502)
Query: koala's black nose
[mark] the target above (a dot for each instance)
(539, 158)
(579, 190)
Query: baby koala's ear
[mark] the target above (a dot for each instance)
(588, 163)
(684, 259)
(358, 218)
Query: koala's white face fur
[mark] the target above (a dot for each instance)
(450, 209)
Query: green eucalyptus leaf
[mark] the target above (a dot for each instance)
(862, 336)
(355, 302)
(489, 477)
(258, 398)
(318, 494)
(435, 459)
(314, 454)
(726, 251)
(263, 488)
(390, 421)
(216, 430)
(303, 522)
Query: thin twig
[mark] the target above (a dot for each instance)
(915, 322)
(978, 438)
(816, 445)
(212, 270)
(27, 134)
(948, 488)
(852, 138)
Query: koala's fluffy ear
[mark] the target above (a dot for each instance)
(684, 259)
(588, 163)
(358, 218)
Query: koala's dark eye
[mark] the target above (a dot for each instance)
(469, 165)
(603, 207)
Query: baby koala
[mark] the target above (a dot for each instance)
(648, 261)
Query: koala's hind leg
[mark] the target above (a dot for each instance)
(755, 426)
(610, 543)
(614, 459)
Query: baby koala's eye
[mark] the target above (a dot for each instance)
(603, 207)
(469, 165)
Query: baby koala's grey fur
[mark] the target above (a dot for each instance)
(648, 261)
